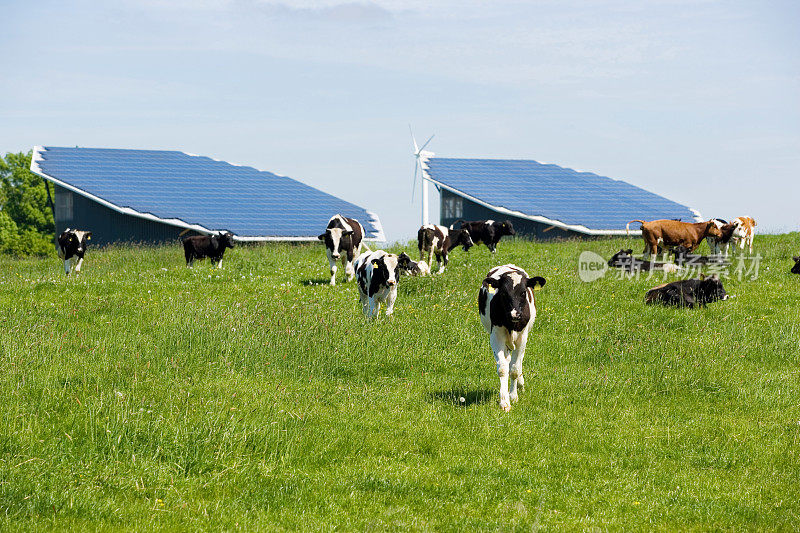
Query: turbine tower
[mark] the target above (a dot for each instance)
(419, 154)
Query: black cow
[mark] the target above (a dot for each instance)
(413, 268)
(796, 267)
(211, 246)
(487, 232)
(439, 240)
(72, 245)
(685, 258)
(507, 309)
(342, 238)
(625, 260)
(688, 292)
(377, 276)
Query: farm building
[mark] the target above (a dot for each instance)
(155, 196)
(544, 201)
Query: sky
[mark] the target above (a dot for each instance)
(696, 100)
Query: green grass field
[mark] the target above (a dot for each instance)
(142, 394)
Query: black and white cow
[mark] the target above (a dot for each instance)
(412, 268)
(342, 238)
(688, 292)
(487, 232)
(508, 310)
(211, 246)
(796, 267)
(72, 245)
(377, 274)
(439, 240)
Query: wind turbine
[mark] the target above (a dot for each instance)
(420, 152)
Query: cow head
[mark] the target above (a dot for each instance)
(623, 257)
(405, 263)
(712, 229)
(507, 228)
(384, 273)
(510, 305)
(225, 239)
(462, 237)
(711, 289)
(796, 267)
(333, 238)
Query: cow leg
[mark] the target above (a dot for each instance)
(66, 266)
(498, 345)
(332, 262)
(349, 271)
(750, 242)
(515, 369)
(430, 257)
(78, 264)
(390, 300)
(492, 247)
(374, 307)
(219, 263)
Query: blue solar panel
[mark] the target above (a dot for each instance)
(557, 193)
(198, 190)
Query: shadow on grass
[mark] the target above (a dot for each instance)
(455, 396)
(317, 281)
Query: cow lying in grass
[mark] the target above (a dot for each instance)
(72, 245)
(688, 292)
(412, 268)
(377, 276)
(625, 260)
(211, 246)
(507, 309)
(796, 267)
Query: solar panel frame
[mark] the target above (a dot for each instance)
(580, 201)
(199, 193)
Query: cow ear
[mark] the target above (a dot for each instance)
(350, 232)
(321, 237)
(536, 282)
(796, 259)
(492, 282)
(629, 251)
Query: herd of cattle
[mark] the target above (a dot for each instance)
(506, 302)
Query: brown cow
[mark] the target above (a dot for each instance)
(673, 233)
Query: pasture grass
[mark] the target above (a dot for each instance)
(143, 395)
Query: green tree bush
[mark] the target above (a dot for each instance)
(26, 220)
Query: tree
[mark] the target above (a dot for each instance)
(26, 220)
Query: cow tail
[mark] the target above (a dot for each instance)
(628, 226)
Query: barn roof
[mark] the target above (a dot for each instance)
(562, 197)
(198, 193)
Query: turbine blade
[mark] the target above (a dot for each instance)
(416, 148)
(426, 143)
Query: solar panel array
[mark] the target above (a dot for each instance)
(554, 192)
(199, 190)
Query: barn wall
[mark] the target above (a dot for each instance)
(470, 210)
(107, 226)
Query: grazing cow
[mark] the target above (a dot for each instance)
(675, 233)
(688, 292)
(719, 245)
(487, 232)
(377, 276)
(342, 238)
(412, 268)
(211, 246)
(625, 260)
(72, 245)
(439, 240)
(796, 267)
(745, 230)
(507, 309)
